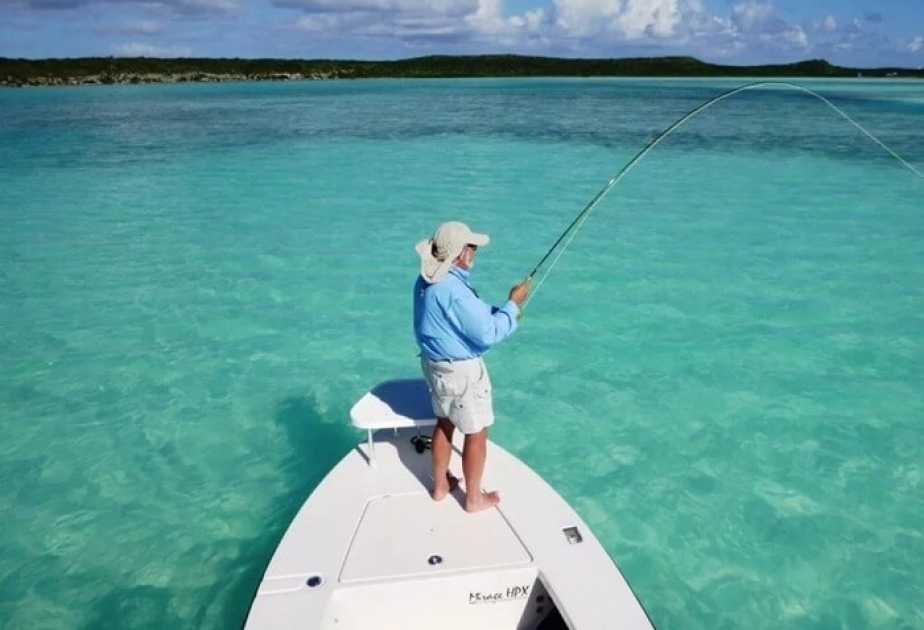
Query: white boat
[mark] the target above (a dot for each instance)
(371, 550)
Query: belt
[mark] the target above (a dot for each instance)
(452, 360)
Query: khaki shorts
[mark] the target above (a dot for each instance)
(460, 391)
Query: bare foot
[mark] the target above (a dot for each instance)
(444, 487)
(486, 501)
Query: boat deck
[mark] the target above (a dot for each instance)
(429, 543)
(371, 549)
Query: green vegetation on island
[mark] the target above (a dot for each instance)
(107, 70)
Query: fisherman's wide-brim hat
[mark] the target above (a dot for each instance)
(438, 253)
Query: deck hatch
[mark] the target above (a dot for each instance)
(398, 535)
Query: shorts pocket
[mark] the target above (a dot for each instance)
(447, 382)
(482, 387)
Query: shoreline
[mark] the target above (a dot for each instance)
(140, 79)
(144, 70)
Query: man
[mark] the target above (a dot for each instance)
(454, 328)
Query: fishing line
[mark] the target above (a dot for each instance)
(571, 231)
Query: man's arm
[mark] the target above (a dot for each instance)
(482, 323)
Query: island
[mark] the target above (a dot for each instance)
(137, 70)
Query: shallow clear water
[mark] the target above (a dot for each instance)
(723, 373)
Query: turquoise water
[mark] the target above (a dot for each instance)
(723, 373)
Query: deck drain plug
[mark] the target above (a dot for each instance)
(314, 581)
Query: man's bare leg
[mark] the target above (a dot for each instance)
(474, 453)
(441, 452)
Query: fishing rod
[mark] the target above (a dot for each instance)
(571, 231)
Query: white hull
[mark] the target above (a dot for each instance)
(370, 549)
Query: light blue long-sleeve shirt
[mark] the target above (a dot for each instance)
(452, 322)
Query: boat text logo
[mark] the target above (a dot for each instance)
(493, 597)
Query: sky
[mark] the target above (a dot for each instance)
(855, 33)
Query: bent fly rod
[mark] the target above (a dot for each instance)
(574, 227)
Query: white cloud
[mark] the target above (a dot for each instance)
(756, 17)
(415, 20)
(135, 49)
(643, 18)
(749, 30)
(760, 25)
(827, 24)
(581, 18)
(629, 19)
(489, 19)
(917, 44)
(606, 20)
(674, 26)
(384, 18)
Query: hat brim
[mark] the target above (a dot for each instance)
(433, 270)
(478, 239)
